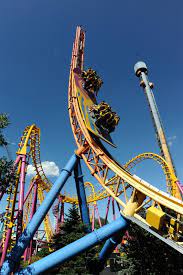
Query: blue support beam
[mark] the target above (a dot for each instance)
(68, 252)
(82, 196)
(109, 247)
(27, 235)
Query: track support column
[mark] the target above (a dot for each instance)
(107, 210)
(135, 201)
(109, 247)
(82, 196)
(28, 251)
(38, 217)
(21, 196)
(73, 249)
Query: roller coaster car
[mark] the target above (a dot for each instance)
(86, 99)
(105, 119)
(92, 82)
(164, 223)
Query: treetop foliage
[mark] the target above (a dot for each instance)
(6, 167)
(4, 120)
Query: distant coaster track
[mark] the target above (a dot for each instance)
(29, 147)
(169, 174)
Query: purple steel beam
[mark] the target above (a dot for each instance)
(97, 212)
(180, 186)
(113, 210)
(6, 244)
(28, 193)
(93, 219)
(57, 217)
(107, 210)
(28, 251)
(9, 230)
(21, 196)
(62, 212)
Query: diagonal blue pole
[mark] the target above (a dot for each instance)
(109, 247)
(73, 249)
(27, 235)
(82, 196)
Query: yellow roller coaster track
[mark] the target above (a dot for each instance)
(30, 146)
(100, 163)
(102, 194)
(9, 221)
(91, 198)
(169, 174)
(31, 140)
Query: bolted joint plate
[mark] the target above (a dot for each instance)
(140, 67)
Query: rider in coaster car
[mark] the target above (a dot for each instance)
(92, 81)
(105, 118)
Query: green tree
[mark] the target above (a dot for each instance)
(72, 230)
(6, 173)
(4, 122)
(145, 254)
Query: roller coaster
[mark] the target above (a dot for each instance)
(136, 200)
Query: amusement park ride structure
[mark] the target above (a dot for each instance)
(142, 72)
(138, 201)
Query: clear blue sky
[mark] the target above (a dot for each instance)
(35, 50)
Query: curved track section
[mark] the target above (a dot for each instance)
(169, 174)
(92, 197)
(132, 193)
(30, 145)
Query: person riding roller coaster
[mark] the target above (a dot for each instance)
(105, 118)
(92, 81)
